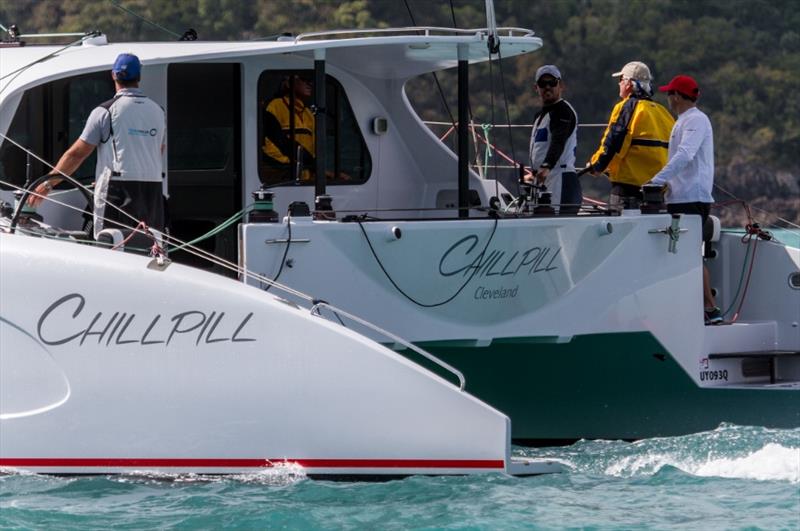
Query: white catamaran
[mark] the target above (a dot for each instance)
(580, 326)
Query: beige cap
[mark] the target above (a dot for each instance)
(634, 70)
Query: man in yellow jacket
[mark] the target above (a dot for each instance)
(288, 149)
(634, 145)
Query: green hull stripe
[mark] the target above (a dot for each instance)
(607, 386)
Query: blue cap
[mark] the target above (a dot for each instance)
(127, 67)
(548, 69)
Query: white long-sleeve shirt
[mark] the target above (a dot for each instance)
(690, 169)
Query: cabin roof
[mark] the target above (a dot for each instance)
(384, 54)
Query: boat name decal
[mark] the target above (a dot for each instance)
(495, 262)
(123, 328)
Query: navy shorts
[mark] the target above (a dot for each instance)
(571, 193)
(142, 200)
(697, 209)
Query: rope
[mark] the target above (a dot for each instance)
(747, 207)
(749, 276)
(488, 149)
(283, 260)
(409, 297)
(216, 230)
(739, 286)
(195, 251)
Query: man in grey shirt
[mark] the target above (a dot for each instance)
(129, 132)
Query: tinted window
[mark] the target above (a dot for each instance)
(82, 94)
(287, 139)
(25, 130)
(49, 119)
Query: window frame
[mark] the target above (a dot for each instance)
(336, 99)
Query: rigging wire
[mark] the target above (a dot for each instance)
(22, 69)
(491, 110)
(116, 4)
(435, 77)
(508, 112)
(184, 246)
(75, 182)
(748, 206)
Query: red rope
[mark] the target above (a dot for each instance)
(141, 224)
(749, 237)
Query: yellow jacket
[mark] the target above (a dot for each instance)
(635, 142)
(277, 138)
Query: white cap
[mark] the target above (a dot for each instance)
(547, 69)
(634, 70)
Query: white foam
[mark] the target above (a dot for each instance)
(278, 474)
(772, 462)
(639, 464)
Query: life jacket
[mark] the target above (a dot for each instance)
(635, 142)
(303, 128)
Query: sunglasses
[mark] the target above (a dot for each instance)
(545, 83)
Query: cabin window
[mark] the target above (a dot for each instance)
(49, 119)
(286, 139)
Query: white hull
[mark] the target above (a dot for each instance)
(109, 366)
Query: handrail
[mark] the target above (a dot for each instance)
(501, 126)
(396, 339)
(414, 30)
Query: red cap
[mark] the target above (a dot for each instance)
(686, 85)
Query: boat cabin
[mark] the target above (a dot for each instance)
(377, 154)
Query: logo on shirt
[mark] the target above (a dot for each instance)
(142, 132)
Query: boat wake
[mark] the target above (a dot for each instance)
(772, 462)
(734, 452)
(280, 474)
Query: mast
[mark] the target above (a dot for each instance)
(320, 124)
(493, 43)
(463, 139)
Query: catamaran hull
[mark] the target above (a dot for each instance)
(108, 366)
(608, 386)
(576, 327)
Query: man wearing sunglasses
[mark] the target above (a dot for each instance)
(634, 144)
(553, 142)
(689, 174)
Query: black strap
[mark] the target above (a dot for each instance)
(649, 143)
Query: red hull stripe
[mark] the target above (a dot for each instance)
(59, 462)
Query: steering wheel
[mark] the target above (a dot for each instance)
(36, 182)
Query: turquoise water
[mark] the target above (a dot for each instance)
(731, 478)
(789, 237)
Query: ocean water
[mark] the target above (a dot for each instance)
(734, 477)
